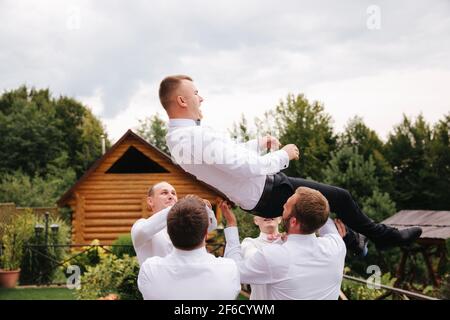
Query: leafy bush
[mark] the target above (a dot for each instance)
(445, 288)
(15, 235)
(358, 291)
(89, 257)
(123, 245)
(112, 275)
(37, 264)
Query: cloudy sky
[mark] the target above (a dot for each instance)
(375, 59)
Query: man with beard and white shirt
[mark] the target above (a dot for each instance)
(149, 235)
(305, 266)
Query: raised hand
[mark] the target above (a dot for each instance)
(229, 216)
(340, 227)
(292, 151)
(270, 143)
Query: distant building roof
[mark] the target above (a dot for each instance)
(435, 224)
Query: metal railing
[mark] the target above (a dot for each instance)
(393, 291)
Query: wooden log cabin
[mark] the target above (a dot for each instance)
(111, 195)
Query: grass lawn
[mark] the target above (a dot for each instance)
(36, 294)
(46, 294)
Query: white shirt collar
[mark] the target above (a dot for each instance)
(196, 252)
(301, 237)
(182, 123)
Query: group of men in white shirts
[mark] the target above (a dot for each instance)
(303, 266)
(170, 245)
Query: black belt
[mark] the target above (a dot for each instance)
(267, 191)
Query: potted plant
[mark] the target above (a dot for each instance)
(14, 236)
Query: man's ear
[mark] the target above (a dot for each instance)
(293, 222)
(181, 101)
(150, 203)
(255, 219)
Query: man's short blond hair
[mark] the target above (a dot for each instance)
(168, 86)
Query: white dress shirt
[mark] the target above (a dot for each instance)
(304, 267)
(150, 237)
(236, 169)
(249, 247)
(189, 275)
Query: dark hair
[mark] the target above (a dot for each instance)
(187, 223)
(311, 209)
(168, 86)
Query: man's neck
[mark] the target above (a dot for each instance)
(183, 117)
(271, 232)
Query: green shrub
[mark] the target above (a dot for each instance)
(444, 291)
(90, 256)
(37, 264)
(123, 245)
(15, 235)
(112, 275)
(358, 291)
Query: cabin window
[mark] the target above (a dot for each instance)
(134, 161)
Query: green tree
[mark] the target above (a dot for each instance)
(36, 128)
(379, 205)
(308, 126)
(35, 191)
(348, 169)
(240, 131)
(153, 129)
(29, 138)
(440, 164)
(46, 144)
(81, 133)
(409, 151)
(369, 145)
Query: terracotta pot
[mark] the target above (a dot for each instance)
(8, 279)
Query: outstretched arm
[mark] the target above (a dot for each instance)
(143, 230)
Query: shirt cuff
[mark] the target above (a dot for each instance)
(232, 235)
(284, 159)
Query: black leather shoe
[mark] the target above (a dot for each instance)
(398, 238)
(356, 244)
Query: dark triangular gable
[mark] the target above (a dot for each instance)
(134, 161)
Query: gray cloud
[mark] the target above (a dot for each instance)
(233, 46)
